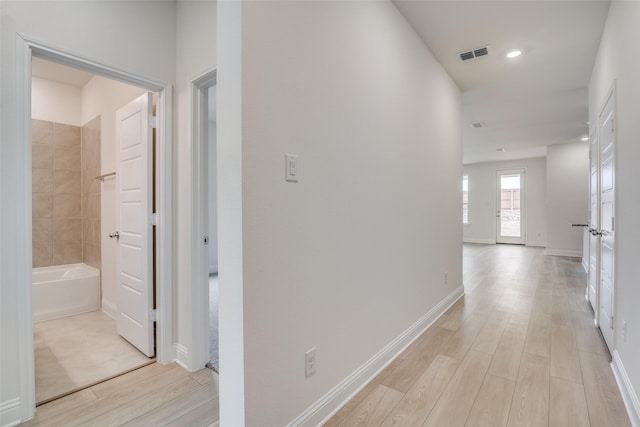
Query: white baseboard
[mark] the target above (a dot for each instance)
(182, 355)
(537, 244)
(10, 412)
(564, 252)
(629, 395)
(332, 401)
(479, 241)
(110, 309)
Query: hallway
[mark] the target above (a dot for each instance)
(519, 349)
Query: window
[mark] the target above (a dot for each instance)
(465, 199)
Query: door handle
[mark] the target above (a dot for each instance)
(115, 234)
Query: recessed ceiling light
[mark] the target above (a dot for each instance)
(514, 53)
(584, 138)
(501, 149)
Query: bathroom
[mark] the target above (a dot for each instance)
(74, 211)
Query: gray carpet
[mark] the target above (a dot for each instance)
(213, 322)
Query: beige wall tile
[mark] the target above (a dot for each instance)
(87, 231)
(42, 254)
(66, 135)
(90, 155)
(67, 252)
(42, 157)
(42, 230)
(67, 182)
(89, 182)
(67, 230)
(42, 205)
(65, 158)
(91, 206)
(41, 132)
(91, 231)
(42, 181)
(66, 206)
(91, 255)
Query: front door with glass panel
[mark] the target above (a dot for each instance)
(510, 209)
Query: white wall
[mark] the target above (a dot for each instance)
(348, 258)
(482, 200)
(103, 97)
(135, 36)
(567, 197)
(195, 54)
(620, 37)
(55, 102)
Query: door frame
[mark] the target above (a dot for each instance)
(199, 356)
(26, 48)
(595, 304)
(523, 202)
(611, 96)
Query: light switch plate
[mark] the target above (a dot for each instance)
(291, 168)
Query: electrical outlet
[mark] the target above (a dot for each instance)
(310, 362)
(624, 331)
(446, 277)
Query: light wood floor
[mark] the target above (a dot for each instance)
(519, 349)
(155, 395)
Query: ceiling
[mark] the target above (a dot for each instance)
(59, 73)
(526, 103)
(529, 102)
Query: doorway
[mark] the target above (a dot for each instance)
(212, 216)
(510, 211)
(205, 230)
(26, 50)
(82, 193)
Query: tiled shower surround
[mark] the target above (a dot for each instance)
(60, 193)
(91, 193)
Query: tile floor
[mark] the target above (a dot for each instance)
(77, 351)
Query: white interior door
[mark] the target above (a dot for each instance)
(594, 221)
(607, 133)
(134, 198)
(510, 209)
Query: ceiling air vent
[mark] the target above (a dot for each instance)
(478, 125)
(475, 53)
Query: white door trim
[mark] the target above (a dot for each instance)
(608, 335)
(27, 47)
(199, 355)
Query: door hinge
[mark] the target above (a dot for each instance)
(153, 122)
(153, 315)
(611, 324)
(154, 219)
(613, 223)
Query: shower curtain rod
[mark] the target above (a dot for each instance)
(102, 177)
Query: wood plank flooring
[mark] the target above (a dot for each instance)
(519, 349)
(155, 395)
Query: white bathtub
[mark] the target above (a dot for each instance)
(64, 290)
